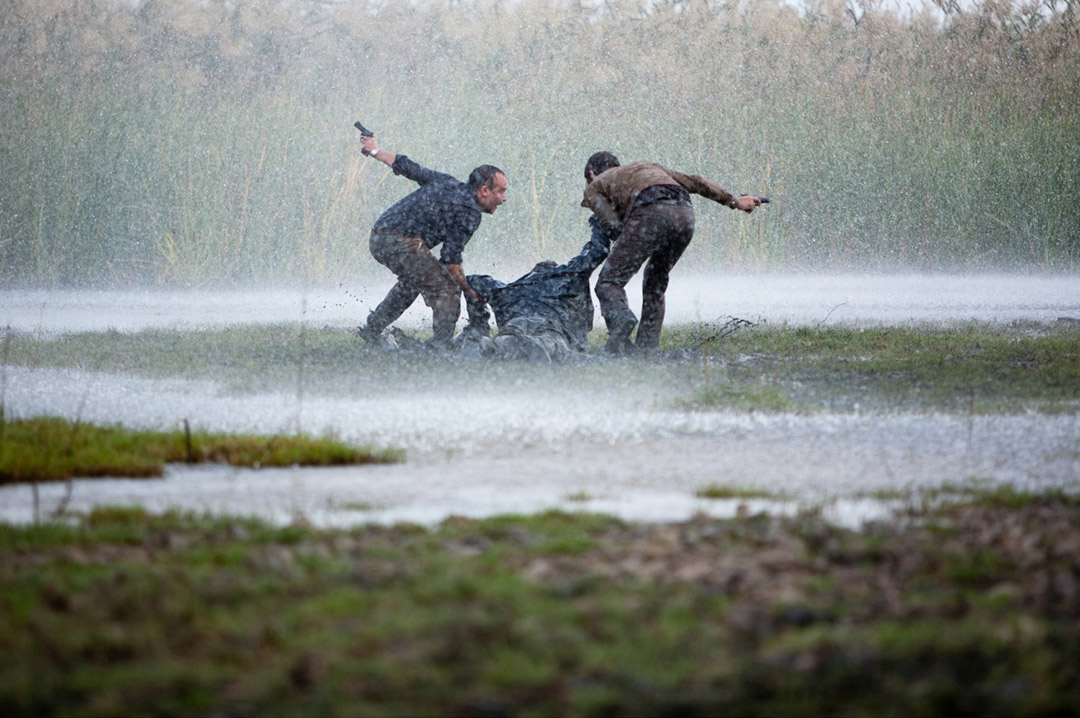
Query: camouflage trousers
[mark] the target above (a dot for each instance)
(418, 273)
(657, 233)
(532, 338)
(528, 338)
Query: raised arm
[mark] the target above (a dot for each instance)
(372, 146)
(401, 164)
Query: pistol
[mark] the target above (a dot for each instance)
(365, 132)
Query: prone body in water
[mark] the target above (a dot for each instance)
(545, 315)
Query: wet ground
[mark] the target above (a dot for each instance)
(796, 299)
(511, 449)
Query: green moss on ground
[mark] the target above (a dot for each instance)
(969, 607)
(54, 449)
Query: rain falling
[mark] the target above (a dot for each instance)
(204, 202)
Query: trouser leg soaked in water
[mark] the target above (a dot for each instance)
(419, 273)
(657, 233)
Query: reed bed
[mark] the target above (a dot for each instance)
(178, 143)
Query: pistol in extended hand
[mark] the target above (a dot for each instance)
(365, 132)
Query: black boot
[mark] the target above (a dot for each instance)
(618, 343)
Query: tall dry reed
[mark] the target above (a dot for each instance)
(177, 142)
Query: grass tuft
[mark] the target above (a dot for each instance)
(54, 449)
(718, 491)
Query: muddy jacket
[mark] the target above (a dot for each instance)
(554, 298)
(443, 211)
(613, 193)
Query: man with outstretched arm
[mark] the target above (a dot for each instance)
(648, 207)
(442, 211)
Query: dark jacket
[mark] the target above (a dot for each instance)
(443, 211)
(559, 294)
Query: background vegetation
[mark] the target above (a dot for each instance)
(184, 143)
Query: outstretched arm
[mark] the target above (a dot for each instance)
(711, 190)
(747, 203)
(401, 164)
(595, 250)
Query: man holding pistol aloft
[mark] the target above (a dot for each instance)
(442, 211)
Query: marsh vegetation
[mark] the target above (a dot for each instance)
(960, 367)
(961, 601)
(965, 605)
(171, 142)
(55, 449)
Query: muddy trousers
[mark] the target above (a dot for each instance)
(658, 234)
(419, 273)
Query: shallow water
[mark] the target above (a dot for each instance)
(795, 299)
(509, 449)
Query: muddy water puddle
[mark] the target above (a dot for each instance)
(505, 449)
(508, 454)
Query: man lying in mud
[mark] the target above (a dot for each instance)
(544, 316)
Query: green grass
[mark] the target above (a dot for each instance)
(964, 368)
(946, 610)
(764, 397)
(719, 491)
(999, 497)
(54, 449)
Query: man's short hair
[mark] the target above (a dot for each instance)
(599, 162)
(484, 176)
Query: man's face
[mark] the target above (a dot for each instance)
(491, 197)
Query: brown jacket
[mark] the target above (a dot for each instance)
(611, 195)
